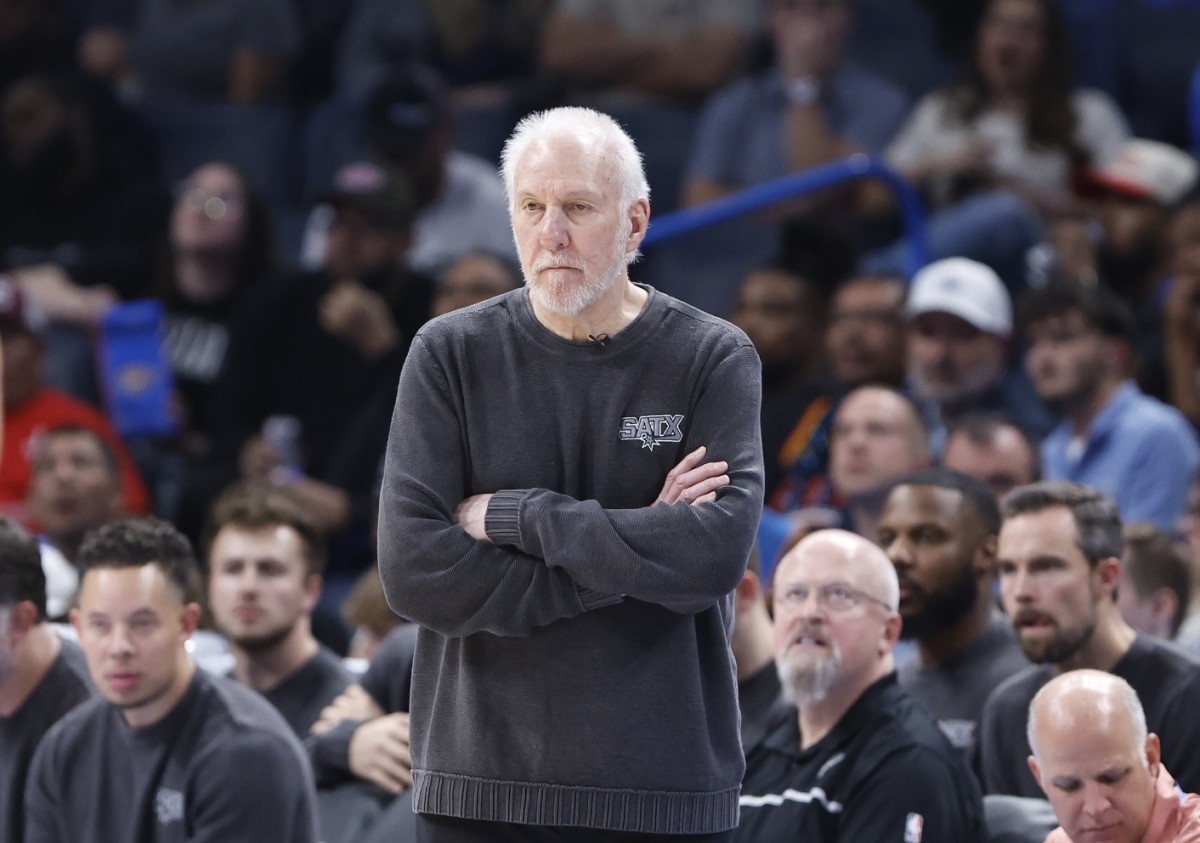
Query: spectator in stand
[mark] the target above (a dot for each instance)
(959, 329)
(219, 245)
(811, 107)
(473, 278)
(319, 348)
(781, 310)
(859, 759)
(863, 344)
(80, 213)
(75, 488)
(993, 449)
(1059, 561)
(939, 529)
(360, 754)
(1111, 436)
(31, 407)
(265, 558)
(34, 35)
(998, 149)
(460, 206)
(1014, 120)
(42, 677)
(878, 437)
(1100, 767)
(1156, 581)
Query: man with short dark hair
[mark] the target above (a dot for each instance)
(265, 558)
(42, 677)
(1059, 561)
(860, 760)
(1135, 449)
(939, 529)
(75, 487)
(994, 449)
(166, 750)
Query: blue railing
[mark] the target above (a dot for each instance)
(912, 210)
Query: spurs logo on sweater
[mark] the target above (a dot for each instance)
(652, 431)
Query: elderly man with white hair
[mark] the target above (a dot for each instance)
(1100, 767)
(860, 760)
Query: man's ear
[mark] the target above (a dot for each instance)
(189, 618)
(985, 558)
(312, 591)
(1108, 575)
(1036, 770)
(1153, 753)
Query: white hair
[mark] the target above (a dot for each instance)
(598, 132)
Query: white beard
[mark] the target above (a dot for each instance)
(565, 298)
(811, 682)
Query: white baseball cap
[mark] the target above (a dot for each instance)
(964, 288)
(1147, 169)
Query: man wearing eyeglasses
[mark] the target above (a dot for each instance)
(861, 760)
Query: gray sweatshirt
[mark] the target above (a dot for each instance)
(576, 671)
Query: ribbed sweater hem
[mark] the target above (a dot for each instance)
(613, 809)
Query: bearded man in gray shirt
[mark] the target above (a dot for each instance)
(571, 490)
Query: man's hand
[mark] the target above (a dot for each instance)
(693, 482)
(354, 703)
(379, 752)
(361, 317)
(470, 515)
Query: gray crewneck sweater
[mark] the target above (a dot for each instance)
(577, 670)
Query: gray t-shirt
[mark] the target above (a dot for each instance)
(575, 670)
(65, 685)
(955, 690)
(222, 765)
(301, 697)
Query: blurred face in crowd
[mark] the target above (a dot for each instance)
(1097, 775)
(1185, 255)
(1047, 587)
(209, 214)
(864, 342)
(809, 34)
(361, 246)
(39, 141)
(1067, 360)
(133, 624)
(259, 587)
(778, 312)
(877, 438)
(834, 625)
(949, 359)
(75, 486)
(1133, 228)
(1011, 44)
(937, 546)
(470, 280)
(573, 237)
(1004, 462)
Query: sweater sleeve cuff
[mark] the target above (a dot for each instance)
(503, 519)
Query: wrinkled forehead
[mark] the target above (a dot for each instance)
(585, 160)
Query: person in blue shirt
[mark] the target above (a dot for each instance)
(1112, 437)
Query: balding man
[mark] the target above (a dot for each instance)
(860, 760)
(1101, 769)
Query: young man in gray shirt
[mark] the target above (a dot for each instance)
(548, 519)
(167, 752)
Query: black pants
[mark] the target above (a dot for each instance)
(435, 829)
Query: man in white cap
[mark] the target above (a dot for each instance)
(959, 323)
